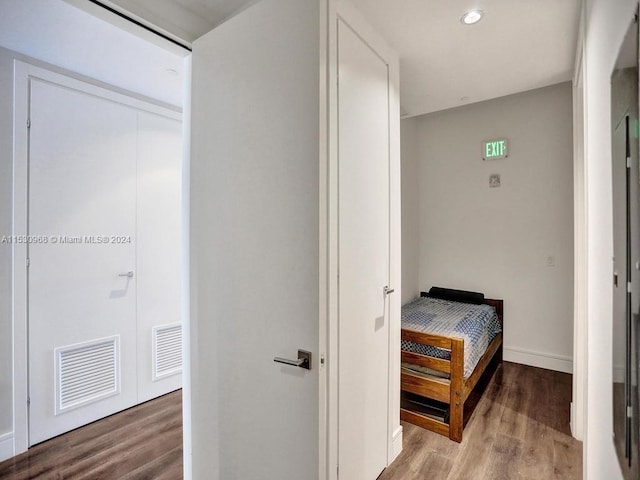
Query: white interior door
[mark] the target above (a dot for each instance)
(254, 245)
(82, 197)
(363, 158)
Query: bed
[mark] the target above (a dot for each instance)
(450, 338)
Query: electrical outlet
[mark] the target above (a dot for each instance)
(551, 261)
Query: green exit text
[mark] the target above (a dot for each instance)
(495, 149)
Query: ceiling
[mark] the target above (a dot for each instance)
(519, 45)
(186, 19)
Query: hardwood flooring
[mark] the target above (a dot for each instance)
(144, 442)
(518, 431)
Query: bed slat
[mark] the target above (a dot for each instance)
(426, 387)
(425, 361)
(426, 338)
(424, 422)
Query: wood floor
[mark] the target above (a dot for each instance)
(518, 431)
(144, 442)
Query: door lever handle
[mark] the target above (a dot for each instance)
(303, 361)
(128, 274)
(388, 290)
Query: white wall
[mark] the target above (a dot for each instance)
(498, 240)
(58, 33)
(606, 25)
(254, 244)
(53, 31)
(410, 209)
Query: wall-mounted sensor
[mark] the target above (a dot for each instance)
(494, 180)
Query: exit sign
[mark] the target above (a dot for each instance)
(494, 149)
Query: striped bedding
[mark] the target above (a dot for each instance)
(476, 324)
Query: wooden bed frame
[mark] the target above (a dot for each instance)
(454, 392)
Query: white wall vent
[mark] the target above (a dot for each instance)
(167, 350)
(87, 372)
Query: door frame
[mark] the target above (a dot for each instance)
(580, 307)
(330, 12)
(23, 73)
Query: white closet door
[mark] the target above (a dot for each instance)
(363, 116)
(82, 197)
(158, 255)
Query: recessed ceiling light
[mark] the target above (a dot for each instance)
(474, 16)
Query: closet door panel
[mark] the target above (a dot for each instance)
(104, 248)
(81, 312)
(159, 213)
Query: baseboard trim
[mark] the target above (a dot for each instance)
(396, 444)
(6, 446)
(549, 361)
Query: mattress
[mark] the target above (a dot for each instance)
(477, 325)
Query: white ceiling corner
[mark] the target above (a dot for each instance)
(186, 19)
(517, 46)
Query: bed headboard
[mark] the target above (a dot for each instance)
(498, 304)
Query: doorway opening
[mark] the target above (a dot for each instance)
(98, 113)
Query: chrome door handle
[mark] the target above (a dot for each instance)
(303, 361)
(129, 274)
(388, 290)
